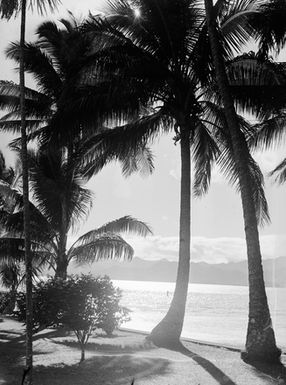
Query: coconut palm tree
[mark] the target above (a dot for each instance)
(61, 202)
(56, 68)
(260, 343)
(7, 9)
(156, 47)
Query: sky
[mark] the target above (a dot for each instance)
(217, 225)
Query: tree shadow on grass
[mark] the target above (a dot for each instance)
(12, 352)
(207, 365)
(103, 370)
(109, 348)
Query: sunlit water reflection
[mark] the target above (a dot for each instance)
(214, 313)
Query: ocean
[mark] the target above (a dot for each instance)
(214, 313)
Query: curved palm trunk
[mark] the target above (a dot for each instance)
(260, 342)
(167, 333)
(24, 158)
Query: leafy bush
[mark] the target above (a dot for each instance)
(80, 303)
(54, 298)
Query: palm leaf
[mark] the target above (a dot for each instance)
(123, 143)
(103, 246)
(8, 8)
(125, 224)
(236, 28)
(269, 26)
(41, 66)
(256, 180)
(141, 161)
(280, 172)
(205, 153)
(57, 188)
(270, 132)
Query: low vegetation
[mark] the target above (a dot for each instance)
(79, 303)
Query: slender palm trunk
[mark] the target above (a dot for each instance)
(167, 333)
(62, 266)
(260, 342)
(24, 158)
(62, 260)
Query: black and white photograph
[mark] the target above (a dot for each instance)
(143, 192)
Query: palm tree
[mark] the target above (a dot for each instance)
(156, 47)
(55, 69)
(260, 343)
(61, 202)
(7, 9)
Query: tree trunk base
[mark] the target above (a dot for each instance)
(165, 335)
(261, 356)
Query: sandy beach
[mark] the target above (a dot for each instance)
(117, 360)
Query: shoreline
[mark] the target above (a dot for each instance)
(197, 342)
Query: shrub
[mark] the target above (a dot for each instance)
(7, 302)
(80, 303)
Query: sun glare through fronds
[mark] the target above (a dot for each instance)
(137, 12)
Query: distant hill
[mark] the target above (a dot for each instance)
(165, 271)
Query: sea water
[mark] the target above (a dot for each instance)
(214, 313)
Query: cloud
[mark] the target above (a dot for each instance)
(203, 249)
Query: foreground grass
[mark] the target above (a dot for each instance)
(119, 359)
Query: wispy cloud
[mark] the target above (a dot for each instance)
(203, 249)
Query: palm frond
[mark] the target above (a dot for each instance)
(269, 26)
(234, 18)
(270, 133)
(14, 126)
(123, 142)
(42, 6)
(280, 172)
(8, 8)
(205, 152)
(257, 86)
(10, 195)
(125, 224)
(11, 249)
(57, 189)
(141, 161)
(37, 104)
(10, 274)
(104, 246)
(256, 180)
(41, 66)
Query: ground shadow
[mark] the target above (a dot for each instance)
(108, 348)
(207, 365)
(117, 368)
(13, 354)
(103, 370)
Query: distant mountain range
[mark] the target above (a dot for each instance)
(165, 271)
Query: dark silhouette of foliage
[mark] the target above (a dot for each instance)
(79, 303)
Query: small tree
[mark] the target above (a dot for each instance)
(80, 303)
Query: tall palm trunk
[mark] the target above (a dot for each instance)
(62, 264)
(24, 158)
(167, 333)
(260, 341)
(62, 260)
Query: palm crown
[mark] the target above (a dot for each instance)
(60, 202)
